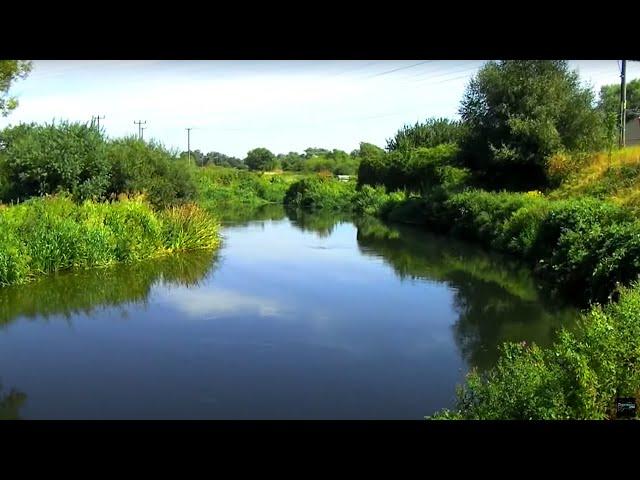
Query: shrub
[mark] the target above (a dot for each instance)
(578, 378)
(416, 170)
(320, 192)
(139, 167)
(39, 160)
(44, 235)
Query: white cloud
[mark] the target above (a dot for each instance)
(212, 303)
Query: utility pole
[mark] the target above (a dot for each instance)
(189, 143)
(142, 133)
(623, 103)
(140, 123)
(98, 118)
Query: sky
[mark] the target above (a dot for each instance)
(235, 106)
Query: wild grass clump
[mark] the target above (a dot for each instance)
(45, 235)
(187, 227)
(612, 176)
(578, 378)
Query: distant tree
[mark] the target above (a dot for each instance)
(518, 112)
(434, 132)
(369, 151)
(315, 152)
(10, 70)
(292, 161)
(260, 159)
(609, 101)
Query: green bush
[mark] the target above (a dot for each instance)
(223, 188)
(139, 167)
(39, 160)
(318, 192)
(578, 378)
(44, 235)
(416, 170)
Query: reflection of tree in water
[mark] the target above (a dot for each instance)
(321, 222)
(238, 214)
(10, 404)
(83, 291)
(496, 298)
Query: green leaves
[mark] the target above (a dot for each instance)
(519, 112)
(11, 70)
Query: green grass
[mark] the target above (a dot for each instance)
(45, 235)
(221, 189)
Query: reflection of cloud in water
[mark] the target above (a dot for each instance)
(214, 303)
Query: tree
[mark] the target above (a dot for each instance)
(518, 113)
(434, 132)
(369, 151)
(11, 70)
(609, 101)
(260, 159)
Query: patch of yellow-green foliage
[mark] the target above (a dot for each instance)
(613, 176)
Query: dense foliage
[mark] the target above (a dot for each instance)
(609, 100)
(45, 159)
(260, 159)
(213, 158)
(434, 132)
(38, 160)
(320, 192)
(519, 112)
(415, 170)
(44, 235)
(10, 71)
(578, 378)
(136, 166)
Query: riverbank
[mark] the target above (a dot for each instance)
(586, 248)
(50, 234)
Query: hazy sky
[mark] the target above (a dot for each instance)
(234, 106)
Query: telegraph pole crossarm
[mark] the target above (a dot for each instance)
(140, 123)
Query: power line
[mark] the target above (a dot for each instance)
(400, 68)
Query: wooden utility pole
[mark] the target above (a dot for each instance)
(140, 123)
(623, 103)
(189, 143)
(97, 119)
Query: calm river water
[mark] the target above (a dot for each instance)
(298, 316)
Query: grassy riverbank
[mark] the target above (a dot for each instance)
(45, 235)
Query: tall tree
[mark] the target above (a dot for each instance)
(518, 112)
(260, 159)
(11, 70)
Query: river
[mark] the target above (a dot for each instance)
(298, 316)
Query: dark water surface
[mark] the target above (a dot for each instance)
(298, 316)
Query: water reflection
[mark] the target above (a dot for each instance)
(84, 291)
(10, 404)
(322, 223)
(239, 215)
(496, 298)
